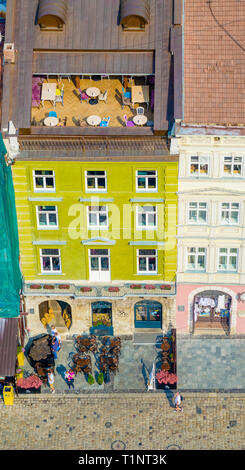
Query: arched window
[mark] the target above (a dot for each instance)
(148, 314)
(134, 14)
(211, 309)
(52, 14)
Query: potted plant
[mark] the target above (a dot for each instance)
(113, 289)
(100, 378)
(149, 286)
(166, 378)
(165, 287)
(135, 286)
(64, 286)
(35, 286)
(48, 286)
(91, 379)
(85, 289)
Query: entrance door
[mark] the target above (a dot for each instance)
(102, 317)
(148, 315)
(99, 265)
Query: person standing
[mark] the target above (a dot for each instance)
(53, 330)
(51, 381)
(70, 375)
(55, 346)
(177, 402)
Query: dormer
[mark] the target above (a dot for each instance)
(134, 14)
(52, 15)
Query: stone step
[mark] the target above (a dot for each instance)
(147, 337)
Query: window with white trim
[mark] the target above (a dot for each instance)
(228, 259)
(146, 217)
(146, 180)
(230, 213)
(147, 261)
(47, 217)
(199, 166)
(98, 217)
(96, 181)
(198, 213)
(50, 260)
(233, 166)
(196, 259)
(44, 180)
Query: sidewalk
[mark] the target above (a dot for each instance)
(122, 421)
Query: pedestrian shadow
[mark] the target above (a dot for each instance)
(170, 397)
(61, 369)
(145, 373)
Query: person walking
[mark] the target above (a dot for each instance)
(70, 375)
(55, 347)
(51, 381)
(53, 330)
(177, 402)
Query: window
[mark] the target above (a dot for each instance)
(50, 261)
(228, 259)
(146, 180)
(198, 212)
(99, 265)
(199, 166)
(196, 259)
(230, 213)
(47, 217)
(96, 181)
(146, 217)
(44, 180)
(233, 166)
(97, 217)
(147, 261)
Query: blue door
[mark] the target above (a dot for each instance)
(148, 314)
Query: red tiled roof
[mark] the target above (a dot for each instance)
(214, 62)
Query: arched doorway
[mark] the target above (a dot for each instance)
(148, 314)
(212, 309)
(56, 312)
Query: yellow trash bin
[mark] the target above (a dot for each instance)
(8, 394)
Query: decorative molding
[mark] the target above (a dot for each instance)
(49, 242)
(44, 199)
(146, 243)
(99, 241)
(96, 199)
(146, 199)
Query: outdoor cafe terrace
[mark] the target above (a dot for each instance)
(92, 102)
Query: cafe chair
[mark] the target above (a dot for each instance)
(140, 110)
(103, 96)
(105, 122)
(128, 123)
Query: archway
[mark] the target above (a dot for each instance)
(211, 309)
(55, 312)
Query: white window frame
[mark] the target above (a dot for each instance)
(147, 226)
(197, 209)
(98, 226)
(147, 256)
(47, 213)
(51, 271)
(232, 164)
(99, 275)
(196, 254)
(229, 210)
(199, 162)
(95, 177)
(147, 177)
(44, 189)
(228, 255)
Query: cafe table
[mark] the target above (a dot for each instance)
(93, 120)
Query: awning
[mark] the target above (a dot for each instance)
(8, 346)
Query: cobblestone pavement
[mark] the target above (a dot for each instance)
(118, 421)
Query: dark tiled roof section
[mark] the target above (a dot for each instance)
(79, 147)
(214, 62)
